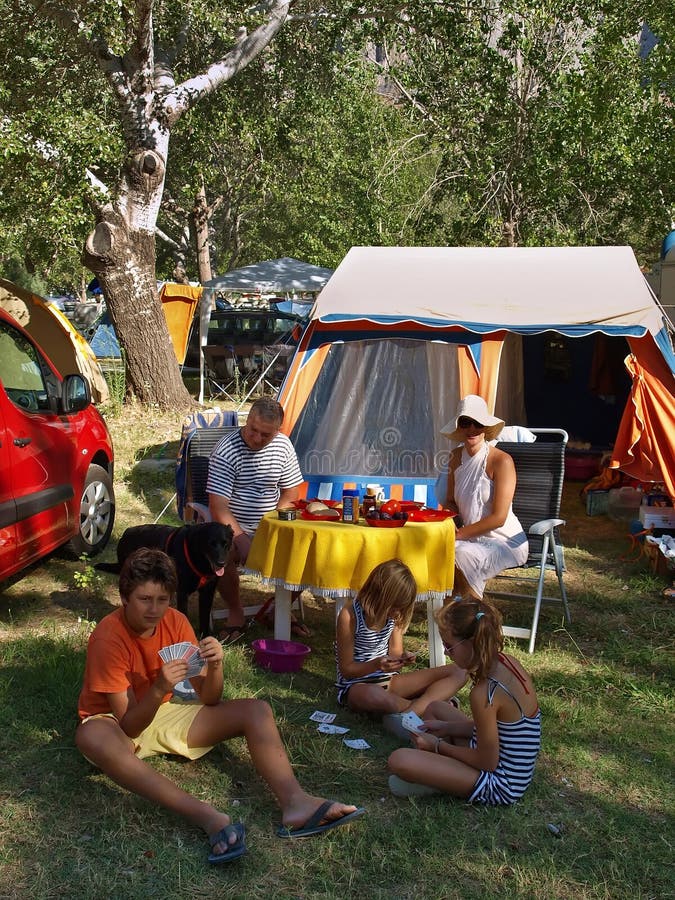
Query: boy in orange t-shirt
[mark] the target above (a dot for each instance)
(127, 713)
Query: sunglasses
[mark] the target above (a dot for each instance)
(449, 648)
(466, 422)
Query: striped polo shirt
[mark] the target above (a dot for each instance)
(252, 480)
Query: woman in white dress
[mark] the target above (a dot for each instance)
(480, 488)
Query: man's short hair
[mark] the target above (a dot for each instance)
(147, 564)
(268, 409)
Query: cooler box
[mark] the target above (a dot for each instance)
(624, 503)
(597, 503)
(658, 517)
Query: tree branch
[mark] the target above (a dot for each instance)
(245, 50)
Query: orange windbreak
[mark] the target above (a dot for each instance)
(179, 302)
(644, 446)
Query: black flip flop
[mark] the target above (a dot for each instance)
(235, 850)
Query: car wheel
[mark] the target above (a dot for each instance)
(97, 513)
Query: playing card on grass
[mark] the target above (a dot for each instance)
(325, 728)
(356, 744)
(319, 716)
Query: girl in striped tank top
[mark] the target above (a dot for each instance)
(370, 655)
(490, 757)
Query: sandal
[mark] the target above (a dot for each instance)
(228, 634)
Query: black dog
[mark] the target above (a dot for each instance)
(200, 553)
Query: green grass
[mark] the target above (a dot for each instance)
(604, 778)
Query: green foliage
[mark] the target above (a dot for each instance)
(544, 120)
(88, 580)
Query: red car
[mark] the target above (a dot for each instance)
(56, 458)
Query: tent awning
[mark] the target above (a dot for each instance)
(284, 275)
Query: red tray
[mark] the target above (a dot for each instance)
(430, 515)
(386, 523)
(310, 517)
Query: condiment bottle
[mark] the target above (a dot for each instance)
(369, 500)
(350, 506)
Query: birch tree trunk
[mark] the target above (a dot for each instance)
(121, 248)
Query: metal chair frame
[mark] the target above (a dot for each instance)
(540, 471)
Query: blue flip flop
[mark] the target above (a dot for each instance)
(313, 826)
(235, 850)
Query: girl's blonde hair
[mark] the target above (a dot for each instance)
(389, 593)
(474, 620)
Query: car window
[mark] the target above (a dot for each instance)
(20, 371)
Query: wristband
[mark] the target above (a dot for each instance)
(438, 741)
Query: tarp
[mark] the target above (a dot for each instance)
(400, 333)
(62, 343)
(179, 302)
(285, 275)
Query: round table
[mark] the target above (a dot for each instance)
(333, 559)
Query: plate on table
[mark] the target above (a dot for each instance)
(430, 515)
(302, 504)
(409, 505)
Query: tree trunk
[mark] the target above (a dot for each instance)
(121, 253)
(200, 217)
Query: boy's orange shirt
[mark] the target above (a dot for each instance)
(117, 659)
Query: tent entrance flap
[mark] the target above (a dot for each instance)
(376, 410)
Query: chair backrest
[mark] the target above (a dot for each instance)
(540, 472)
(201, 432)
(217, 358)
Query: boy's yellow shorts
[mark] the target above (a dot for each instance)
(168, 731)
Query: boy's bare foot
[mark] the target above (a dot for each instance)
(213, 825)
(303, 808)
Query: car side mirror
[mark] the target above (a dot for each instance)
(75, 394)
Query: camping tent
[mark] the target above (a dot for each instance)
(400, 333)
(281, 276)
(64, 345)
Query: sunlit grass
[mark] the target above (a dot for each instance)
(604, 778)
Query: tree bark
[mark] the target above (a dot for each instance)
(121, 253)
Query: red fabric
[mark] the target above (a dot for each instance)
(118, 659)
(644, 447)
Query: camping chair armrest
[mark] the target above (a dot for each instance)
(196, 512)
(545, 525)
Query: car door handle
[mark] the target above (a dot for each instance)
(22, 442)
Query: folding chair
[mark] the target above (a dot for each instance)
(540, 470)
(222, 374)
(198, 448)
(193, 501)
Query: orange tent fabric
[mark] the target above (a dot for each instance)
(179, 302)
(645, 443)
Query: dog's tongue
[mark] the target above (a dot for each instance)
(219, 571)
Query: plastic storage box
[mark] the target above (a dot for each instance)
(597, 503)
(624, 503)
(658, 517)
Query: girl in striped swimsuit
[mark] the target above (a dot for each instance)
(489, 758)
(370, 656)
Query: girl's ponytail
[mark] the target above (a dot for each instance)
(480, 622)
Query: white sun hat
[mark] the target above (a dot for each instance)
(473, 407)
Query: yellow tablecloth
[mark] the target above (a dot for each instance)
(333, 559)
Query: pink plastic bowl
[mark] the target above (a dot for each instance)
(280, 656)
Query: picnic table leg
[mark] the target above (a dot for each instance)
(282, 614)
(436, 651)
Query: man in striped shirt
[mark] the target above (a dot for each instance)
(251, 472)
